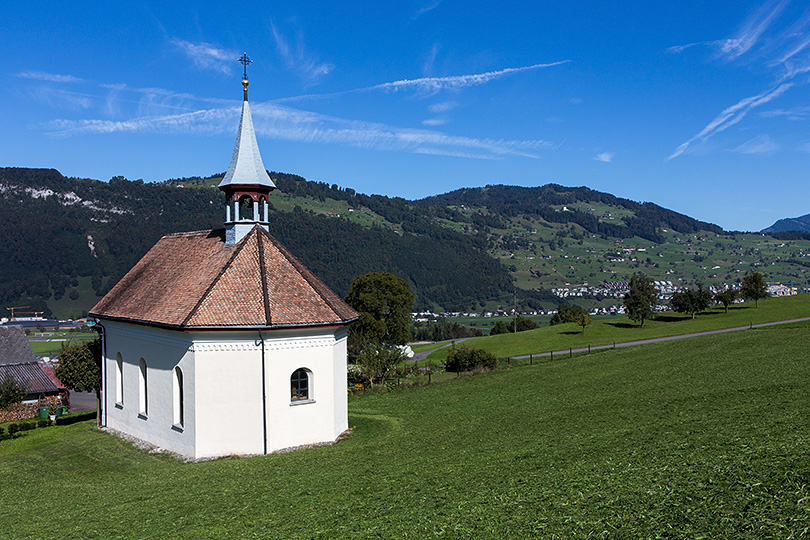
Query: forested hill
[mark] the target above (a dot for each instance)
(799, 224)
(69, 238)
(556, 204)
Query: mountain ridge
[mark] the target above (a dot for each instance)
(71, 239)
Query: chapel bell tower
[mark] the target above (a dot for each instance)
(246, 184)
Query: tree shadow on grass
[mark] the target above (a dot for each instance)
(623, 325)
(672, 318)
(571, 333)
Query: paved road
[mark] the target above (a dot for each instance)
(424, 354)
(658, 340)
(82, 401)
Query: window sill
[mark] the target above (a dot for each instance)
(177, 427)
(119, 405)
(301, 402)
(143, 416)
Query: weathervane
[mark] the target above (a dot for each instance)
(244, 60)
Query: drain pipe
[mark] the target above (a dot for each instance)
(102, 415)
(264, 396)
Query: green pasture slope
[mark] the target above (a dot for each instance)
(707, 437)
(621, 329)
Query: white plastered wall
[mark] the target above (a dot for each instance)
(162, 350)
(223, 388)
(324, 416)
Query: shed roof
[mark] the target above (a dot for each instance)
(32, 376)
(196, 281)
(14, 346)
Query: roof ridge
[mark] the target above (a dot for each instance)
(317, 285)
(214, 282)
(268, 316)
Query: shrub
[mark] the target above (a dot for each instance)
(469, 358)
(13, 428)
(43, 422)
(11, 392)
(27, 426)
(2, 430)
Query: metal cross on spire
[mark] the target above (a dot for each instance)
(244, 60)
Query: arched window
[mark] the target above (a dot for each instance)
(299, 386)
(142, 389)
(119, 380)
(178, 397)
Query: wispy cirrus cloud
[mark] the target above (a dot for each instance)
(606, 157)
(434, 121)
(746, 37)
(429, 7)
(761, 144)
(765, 39)
(796, 113)
(50, 77)
(751, 31)
(58, 98)
(443, 107)
(433, 85)
(285, 123)
(208, 56)
(295, 56)
(732, 115)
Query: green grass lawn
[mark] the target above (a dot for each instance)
(707, 437)
(621, 329)
(54, 344)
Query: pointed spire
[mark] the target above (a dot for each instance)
(246, 168)
(246, 184)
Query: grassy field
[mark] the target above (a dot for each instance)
(621, 329)
(54, 344)
(706, 437)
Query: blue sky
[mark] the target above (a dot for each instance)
(701, 107)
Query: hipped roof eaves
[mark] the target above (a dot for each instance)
(327, 324)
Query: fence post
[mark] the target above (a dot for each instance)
(589, 348)
(429, 374)
(570, 352)
(552, 355)
(508, 361)
(530, 359)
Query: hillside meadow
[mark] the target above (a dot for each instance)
(705, 437)
(621, 329)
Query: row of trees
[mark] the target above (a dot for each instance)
(643, 296)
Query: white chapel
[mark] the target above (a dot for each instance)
(221, 342)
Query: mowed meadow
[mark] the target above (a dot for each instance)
(704, 437)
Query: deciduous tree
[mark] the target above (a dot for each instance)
(691, 301)
(80, 368)
(376, 361)
(726, 297)
(384, 302)
(583, 319)
(11, 392)
(640, 299)
(753, 287)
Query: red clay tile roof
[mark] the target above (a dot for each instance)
(194, 280)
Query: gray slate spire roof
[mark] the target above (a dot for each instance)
(246, 164)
